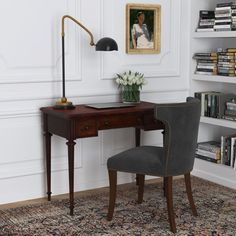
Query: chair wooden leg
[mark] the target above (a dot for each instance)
(137, 180)
(189, 193)
(164, 185)
(112, 197)
(141, 179)
(169, 199)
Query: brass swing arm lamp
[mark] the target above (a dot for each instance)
(78, 23)
(104, 44)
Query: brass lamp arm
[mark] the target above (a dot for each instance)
(78, 23)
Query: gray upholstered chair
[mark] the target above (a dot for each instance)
(176, 157)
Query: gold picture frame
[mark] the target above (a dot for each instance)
(143, 28)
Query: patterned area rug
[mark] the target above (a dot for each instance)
(216, 207)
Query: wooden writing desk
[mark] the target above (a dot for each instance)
(83, 122)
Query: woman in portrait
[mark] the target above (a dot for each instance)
(140, 34)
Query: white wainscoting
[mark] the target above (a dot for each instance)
(30, 66)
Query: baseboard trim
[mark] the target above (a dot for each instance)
(214, 178)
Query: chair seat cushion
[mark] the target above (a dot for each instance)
(141, 160)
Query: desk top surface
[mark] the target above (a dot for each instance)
(83, 110)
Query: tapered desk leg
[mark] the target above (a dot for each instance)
(137, 144)
(48, 162)
(71, 145)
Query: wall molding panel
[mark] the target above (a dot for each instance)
(161, 96)
(165, 64)
(18, 67)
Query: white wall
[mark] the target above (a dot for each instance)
(30, 60)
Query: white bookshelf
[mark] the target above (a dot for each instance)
(214, 34)
(217, 173)
(219, 122)
(211, 128)
(214, 78)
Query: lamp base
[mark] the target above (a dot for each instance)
(64, 104)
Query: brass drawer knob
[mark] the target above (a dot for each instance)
(106, 123)
(85, 128)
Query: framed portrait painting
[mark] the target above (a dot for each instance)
(143, 28)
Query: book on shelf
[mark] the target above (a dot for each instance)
(225, 70)
(205, 14)
(206, 21)
(228, 150)
(213, 103)
(210, 146)
(209, 154)
(223, 18)
(205, 29)
(204, 73)
(206, 66)
(226, 53)
(227, 117)
(223, 152)
(226, 74)
(231, 105)
(231, 50)
(207, 159)
(220, 10)
(222, 62)
(206, 54)
(230, 112)
(223, 27)
(212, 71)
(224, 4)
(226, 57)
(232, 151)
(226, 64)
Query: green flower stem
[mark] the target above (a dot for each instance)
(130, 93)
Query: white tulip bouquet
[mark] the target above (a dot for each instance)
(130, 79)
(131, 83)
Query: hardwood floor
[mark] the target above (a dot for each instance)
(66, 196)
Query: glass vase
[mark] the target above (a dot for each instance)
(130, 94)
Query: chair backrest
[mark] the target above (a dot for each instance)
(181, 132)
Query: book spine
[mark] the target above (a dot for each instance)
(224, 4)
(207, 159)
(232, 118)
(208, 148)
(230, 112)
(208, 154)
(222, 139)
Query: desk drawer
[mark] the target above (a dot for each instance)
(150, 123)
(86, 128)
(119, 121)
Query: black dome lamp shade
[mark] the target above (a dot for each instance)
(104, 44)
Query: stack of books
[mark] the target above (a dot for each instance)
(213, 103)
(226, 62)
(216, 63)
(223, 152)
(206, 63)
(233, 16)
(228, 150)
(209, 151)
(223, 20)
(206, 21)
(230, 111)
